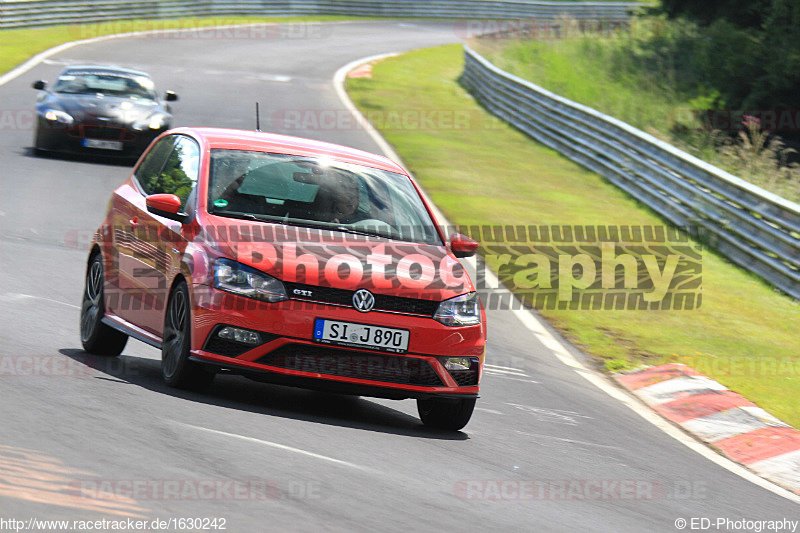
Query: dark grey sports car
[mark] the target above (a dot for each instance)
(109, 111)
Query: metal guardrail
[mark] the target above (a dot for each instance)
(32, 13)
(755, 229)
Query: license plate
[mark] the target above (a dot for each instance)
(103, 145)
(361, 335)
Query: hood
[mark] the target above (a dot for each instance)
(309, 256)
(111, 109)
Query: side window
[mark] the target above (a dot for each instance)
(148, 172)
(178, 175)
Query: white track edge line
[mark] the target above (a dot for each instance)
(278, 446)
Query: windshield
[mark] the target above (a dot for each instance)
(318, 192)
(106, 83)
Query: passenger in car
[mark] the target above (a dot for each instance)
(228, 177)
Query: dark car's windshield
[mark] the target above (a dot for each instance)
(106, 83)
(318, 192)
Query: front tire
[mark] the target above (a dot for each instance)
(40, 144)
(176, 369)
(445, 413)
(96, 337)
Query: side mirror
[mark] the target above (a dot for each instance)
(40, 85)
(463, 246)
(167, 206)
(170, 96)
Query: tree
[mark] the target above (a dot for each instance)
(742, 13)
(748, 50)
(779, 88)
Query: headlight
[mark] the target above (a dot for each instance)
(56, 115)
(154, 122)
(464, 310)
(232, 276)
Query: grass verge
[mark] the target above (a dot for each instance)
(487, 173)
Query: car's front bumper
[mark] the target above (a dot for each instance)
(55, 138)
(289, 354)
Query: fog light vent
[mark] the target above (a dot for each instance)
(239, 335)
(457, 363)
(464, 370)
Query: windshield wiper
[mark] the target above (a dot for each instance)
(246, 216)
(355, 231)
(307, 224)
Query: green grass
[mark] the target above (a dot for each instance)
(489, 174)
(18, 45)
(599, 73)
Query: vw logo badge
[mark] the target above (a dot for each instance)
(363, 300)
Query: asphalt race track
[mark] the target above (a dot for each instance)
(545, 451)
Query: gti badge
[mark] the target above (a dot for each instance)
(301, 292)
(363, 300)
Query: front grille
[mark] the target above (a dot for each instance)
(344, 297)
(353, 364)
(230, 348)
(105, 133)
(412, 306)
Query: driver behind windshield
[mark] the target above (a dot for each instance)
(339, 199)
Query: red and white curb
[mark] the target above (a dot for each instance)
(736, 427)
(363, 71)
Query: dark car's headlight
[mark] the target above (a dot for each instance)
(464, 310)
(56, 115)
(232, 276)
(156, 121)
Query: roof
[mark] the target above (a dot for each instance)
(275, 143)
(107, 68)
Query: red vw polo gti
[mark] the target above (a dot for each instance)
(289, 261)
